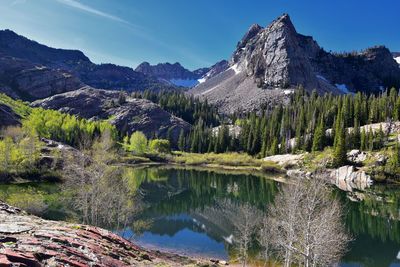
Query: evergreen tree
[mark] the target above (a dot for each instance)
(339, 154)
(370, 137)
(274, 147)
(356, 135)
(319, 137)
(363, 140)
(380, 138)
(181, 141)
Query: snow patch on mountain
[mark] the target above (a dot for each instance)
(322, 78)
(202, 80)
(235, 68)
(397, 60)
(343, 88)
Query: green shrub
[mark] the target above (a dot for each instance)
(138, 143)
(160, 146)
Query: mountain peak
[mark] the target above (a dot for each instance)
(282, 22)
(253, 31)
(277, 57)
(166, 71)
(285, 18)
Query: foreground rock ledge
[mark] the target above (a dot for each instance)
(27, 240)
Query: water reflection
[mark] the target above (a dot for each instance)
(184, 203)
(179, 212)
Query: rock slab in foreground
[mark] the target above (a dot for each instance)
(27, 240)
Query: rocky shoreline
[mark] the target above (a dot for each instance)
(27, 240)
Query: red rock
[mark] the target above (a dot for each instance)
(61, 243)
(72, 262)
(26, 258)
(4, 262)
(76, 253)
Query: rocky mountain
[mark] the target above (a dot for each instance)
(269, 63)
(174, 73)
(30, 70)
(177, 75)
(214, 70)
(126, 113)
(21, 78)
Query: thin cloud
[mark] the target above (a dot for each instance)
(82, 7)
(18, 2)
(137, 30)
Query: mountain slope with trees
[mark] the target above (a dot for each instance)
(128, 114)
(272, 61)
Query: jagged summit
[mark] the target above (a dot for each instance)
(270, 62)
(178, 75)
(277, 56)
(283, 22)
(253, 31)
(172, 73)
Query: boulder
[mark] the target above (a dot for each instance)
(356, 156)
(285, 159)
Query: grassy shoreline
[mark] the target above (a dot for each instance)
(224, 161)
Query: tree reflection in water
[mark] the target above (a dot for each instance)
(163, 202)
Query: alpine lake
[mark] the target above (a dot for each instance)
(180, 213)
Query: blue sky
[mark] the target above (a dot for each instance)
(196, 33)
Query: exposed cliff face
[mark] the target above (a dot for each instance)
(30, 70)
(128, 116)
(270, 59)
(278, 57)
(23, 79)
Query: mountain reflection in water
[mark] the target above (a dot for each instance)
(182, 206)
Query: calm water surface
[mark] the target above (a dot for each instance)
(181, 214)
